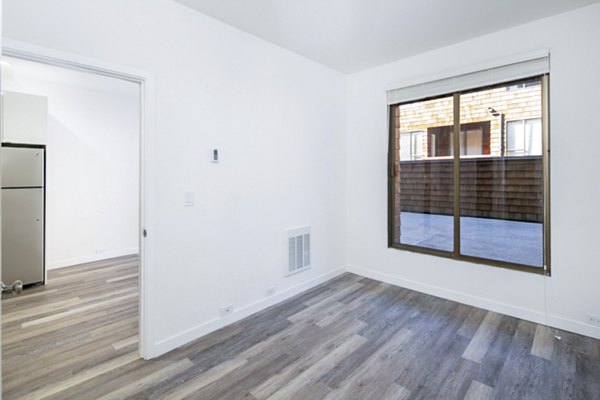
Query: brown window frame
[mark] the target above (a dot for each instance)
(455, 254)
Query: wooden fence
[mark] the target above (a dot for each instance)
(490, 187)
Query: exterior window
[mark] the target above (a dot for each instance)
(411, 145)
(476, 198)
(439, 141)
(524, 137)
(474, 140)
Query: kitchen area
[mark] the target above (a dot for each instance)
(24, 132)
(69, 170)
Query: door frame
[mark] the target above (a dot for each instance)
(145, 80)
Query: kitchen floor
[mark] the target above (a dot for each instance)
(55, 336)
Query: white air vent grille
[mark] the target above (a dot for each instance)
(298, 250)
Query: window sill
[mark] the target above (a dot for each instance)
(471, 259)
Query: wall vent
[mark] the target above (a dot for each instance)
(298, 250)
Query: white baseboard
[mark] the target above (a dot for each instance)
(480, 302)
(90, 258)
(170, 343)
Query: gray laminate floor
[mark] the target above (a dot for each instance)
(351, 338)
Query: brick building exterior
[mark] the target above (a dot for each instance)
(497, 107)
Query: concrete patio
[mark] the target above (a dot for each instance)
(496, 239)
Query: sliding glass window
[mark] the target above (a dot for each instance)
(423, 199)
(469, 175)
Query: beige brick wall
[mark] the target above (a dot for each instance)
(515, 104)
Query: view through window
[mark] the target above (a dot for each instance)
(486, 204)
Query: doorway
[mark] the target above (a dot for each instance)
(105, 277)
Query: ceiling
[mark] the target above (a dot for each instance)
(353, 35)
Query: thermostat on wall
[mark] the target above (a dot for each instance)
(214, 155)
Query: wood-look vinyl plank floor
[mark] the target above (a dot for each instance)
(350, 338)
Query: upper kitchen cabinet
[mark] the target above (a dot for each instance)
(24, 118)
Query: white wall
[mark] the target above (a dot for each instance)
(297, 150)
(92, 159)
(573, 289)
(279, 121)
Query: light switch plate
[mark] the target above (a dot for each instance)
(188, 199)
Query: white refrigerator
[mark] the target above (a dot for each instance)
(23, 212)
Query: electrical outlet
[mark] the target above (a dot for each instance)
(226, 310)
(270, 292)
(593, 319)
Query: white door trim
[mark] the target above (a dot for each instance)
(27, 51)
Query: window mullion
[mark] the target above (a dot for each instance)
(456, 178)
